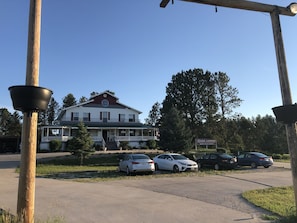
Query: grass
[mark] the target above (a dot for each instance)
(277, 200)
(7, 217)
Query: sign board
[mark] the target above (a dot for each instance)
(206, 142)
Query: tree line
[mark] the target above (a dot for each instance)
(201, 104)
(198, 104)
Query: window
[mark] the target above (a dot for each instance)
(121, 117)
(86, 116)
(132, 132)
(54, 132)
(45, 132)
(131, 118)
(74, 116)
(104, 116)
(122, 132)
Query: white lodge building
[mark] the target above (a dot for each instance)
(108, 121)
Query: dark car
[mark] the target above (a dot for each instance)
(254, 159)
(217, 161)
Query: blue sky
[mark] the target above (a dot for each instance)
(134, 47)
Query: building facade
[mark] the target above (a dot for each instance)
(108, 121)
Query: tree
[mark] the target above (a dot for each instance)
(4, 121)
(47, 117)
(271, 135)
(69, 100)
(192, 93)
(226, 95)
(81, 145)
(52, 110)
(174, 134)
(14, 125)
(154, 115)
(10, 124)
(82, 99)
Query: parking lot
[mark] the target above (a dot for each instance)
(205, 199)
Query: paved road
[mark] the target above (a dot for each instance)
(208, 199)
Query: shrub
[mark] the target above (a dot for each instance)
(55, 145)
(286, 156)
(277, 156)
(221, 150)
(151, 144)
(124, 145)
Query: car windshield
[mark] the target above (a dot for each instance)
(140, 157)
(179, 157)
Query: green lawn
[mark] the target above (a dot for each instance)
(277, 200)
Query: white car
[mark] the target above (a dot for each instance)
(135, 163)
(174, 162)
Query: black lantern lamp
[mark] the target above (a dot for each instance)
(286, 113)
(27, 98)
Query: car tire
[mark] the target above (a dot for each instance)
(266, 166)
(216, 166)
(175, 169)
(156, 166)
(254, 165)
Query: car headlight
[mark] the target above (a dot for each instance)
(182, 163)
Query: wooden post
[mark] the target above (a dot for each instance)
(26, 189)
(286, 93)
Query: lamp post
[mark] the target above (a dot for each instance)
(275, 11)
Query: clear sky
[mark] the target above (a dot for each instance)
(133, 47)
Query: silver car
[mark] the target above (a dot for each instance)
(136, 163)
(174, 162)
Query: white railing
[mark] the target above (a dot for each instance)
(100, 120)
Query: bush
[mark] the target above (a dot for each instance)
(151, 144)
(277, 156)
(125, 145)
(55, 145)
(286, 156)
(221, 150)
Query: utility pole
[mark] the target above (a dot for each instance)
(26, 189)
(275, 11)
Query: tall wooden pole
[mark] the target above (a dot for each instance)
(285, 92)
(26, 189)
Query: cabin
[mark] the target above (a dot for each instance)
(108, 121)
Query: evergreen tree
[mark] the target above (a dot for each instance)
(10, 124)
(81, 145)
(82, 99)
(174, 134)
(53, 108)
(69, 100)
(192, 92)
(154, 115)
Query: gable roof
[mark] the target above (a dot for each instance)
(104, 99)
